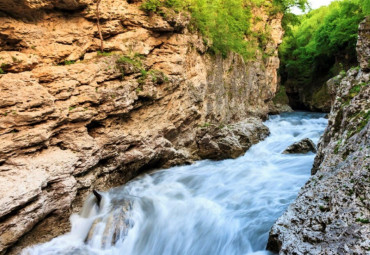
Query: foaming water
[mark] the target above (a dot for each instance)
(224, 207)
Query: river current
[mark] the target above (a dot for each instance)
(207, 208)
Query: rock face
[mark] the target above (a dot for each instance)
(332, 212)
(312, 97)
(303, 146)
(73, 119)
(280, 103)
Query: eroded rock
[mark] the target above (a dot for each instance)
(231, 141)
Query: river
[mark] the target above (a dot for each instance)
(207, 208)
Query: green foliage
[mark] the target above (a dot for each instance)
(336, 149)
(104, 54)
(281, 97)
(151, 5)
(365, 221)
(226, 25)
(135, 61)
(205, 125)
(68, 62)
(157, 77)
(323, 38)
(2, 71)
(323, 208)
(134, 64)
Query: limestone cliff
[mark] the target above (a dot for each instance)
(73, 119)
(332, 212)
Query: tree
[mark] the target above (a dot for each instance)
(98, 25)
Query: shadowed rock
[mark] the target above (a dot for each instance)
(116, 224)
(304, 146)
(98, 197)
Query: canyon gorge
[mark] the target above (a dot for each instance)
(74, 119)
(97, 123)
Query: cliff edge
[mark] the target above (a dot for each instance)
(332, 212)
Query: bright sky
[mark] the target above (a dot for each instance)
(314, 5)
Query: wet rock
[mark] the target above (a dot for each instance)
(229, 141)
(304, 146)
(279, 108)
(116, 224)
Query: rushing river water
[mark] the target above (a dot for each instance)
(208, 208)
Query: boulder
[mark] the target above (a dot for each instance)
(231, 141)
(303, 146)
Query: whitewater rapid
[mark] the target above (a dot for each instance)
(207, 208)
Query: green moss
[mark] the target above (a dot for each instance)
(16, 60)
(281, 96)
(321, 97)
(2, 71)
(133, 61)
(205, 125)
(365, 221)
(356, 89)
(353, 92)
(4, 66)
(350, 192)
(323, 208)
(336, 149)
(104, 54)
(151, 5)
(156, 76)
(362, 118)
(338, 120)
(365, 119)
(68, 62)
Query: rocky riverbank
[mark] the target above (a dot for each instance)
(331, 214)
(73, 119)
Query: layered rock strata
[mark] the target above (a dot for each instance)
(73, 119)
(332, 212)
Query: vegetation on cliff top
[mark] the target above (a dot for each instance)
(226, 25)
(324, 42)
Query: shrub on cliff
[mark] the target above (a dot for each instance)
(226, 25)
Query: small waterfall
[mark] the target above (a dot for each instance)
(210, 207)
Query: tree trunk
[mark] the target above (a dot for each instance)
(99, 28)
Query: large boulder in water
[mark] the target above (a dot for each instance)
(303, 146)
(231, 141)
